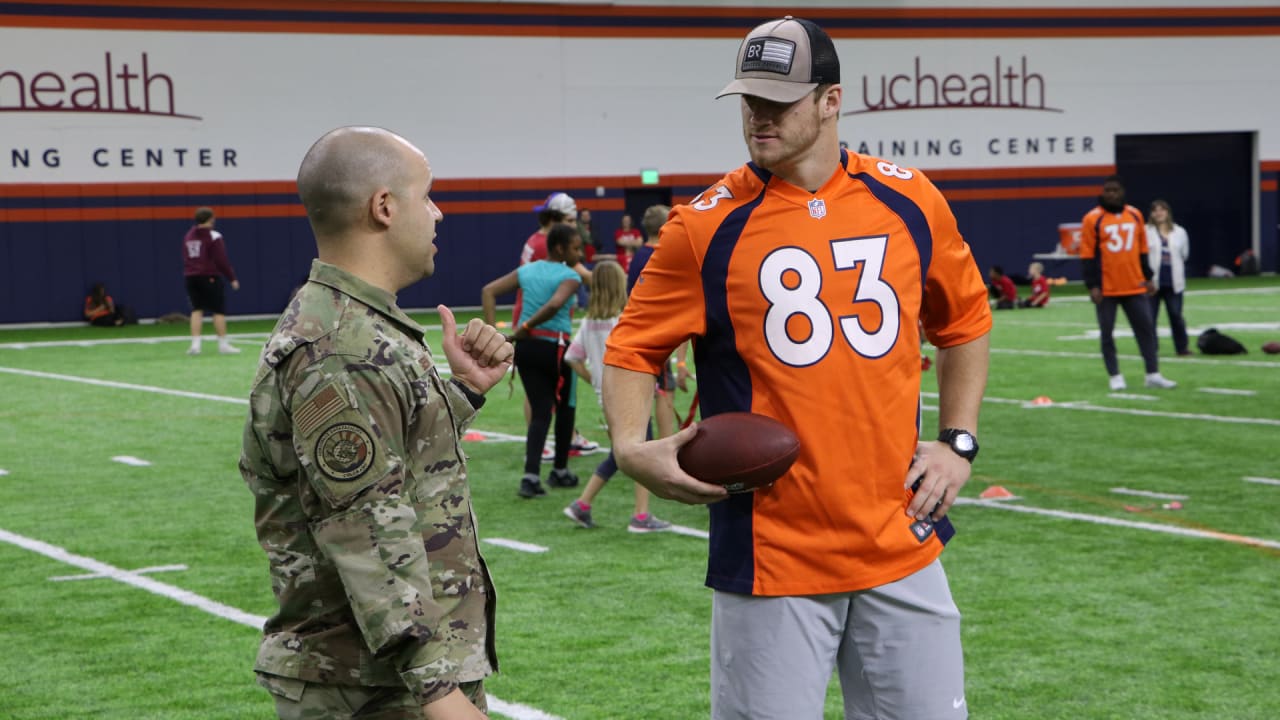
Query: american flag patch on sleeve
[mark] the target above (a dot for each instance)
(322, 406)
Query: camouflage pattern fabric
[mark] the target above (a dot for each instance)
(352, 452)
(299, 700)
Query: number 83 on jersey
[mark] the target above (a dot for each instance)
(791, 280)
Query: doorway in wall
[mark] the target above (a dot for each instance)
(1208, 180)
(642, 198)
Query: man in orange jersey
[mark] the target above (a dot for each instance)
(803, 279)
(1113, 248)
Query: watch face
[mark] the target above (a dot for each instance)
(963, 442)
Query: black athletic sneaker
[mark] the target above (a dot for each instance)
(530, 487)
(562, 478)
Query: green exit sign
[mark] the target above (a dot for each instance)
(648, 177)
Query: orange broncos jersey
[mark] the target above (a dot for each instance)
(1117, 240)
(804, 307)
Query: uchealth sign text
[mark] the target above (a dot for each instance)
(135, 86)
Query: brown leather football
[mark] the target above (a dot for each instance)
(740, 450)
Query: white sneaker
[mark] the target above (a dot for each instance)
(1117, 382)
(1156, 380)
(193, 350)
(228, 349)
(583, 445)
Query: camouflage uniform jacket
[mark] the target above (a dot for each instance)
(352, 453)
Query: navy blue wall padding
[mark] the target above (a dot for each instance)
(46, 268)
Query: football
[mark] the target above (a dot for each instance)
(740, 450)
(1271, 348)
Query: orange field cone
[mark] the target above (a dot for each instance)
(1042, 400)
(995, 492)
(473, 437)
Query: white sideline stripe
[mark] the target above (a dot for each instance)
(1148, 493)
(1083, 405)
(511, 710)
(517, 545)
(131, 460)
(1245, 326)
(516, 711)
(125, 386)
(1116, 522)
(1226, 391)
(133, 578)
(1094, 356)
(139, 571)
(1261, 480)
(691, 532)
(513, 438)
(121, 341)
(497, 436)
(1131, 396)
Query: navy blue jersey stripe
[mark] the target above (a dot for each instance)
(910, 214)
(724, 385)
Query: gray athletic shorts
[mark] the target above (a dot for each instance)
(896, 649)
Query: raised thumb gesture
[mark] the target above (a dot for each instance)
(479, 356)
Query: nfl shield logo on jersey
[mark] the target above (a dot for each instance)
(817, 209)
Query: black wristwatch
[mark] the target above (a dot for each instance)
(962, 442)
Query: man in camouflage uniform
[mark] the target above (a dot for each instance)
(352, 452)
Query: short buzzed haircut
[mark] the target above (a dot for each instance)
(654, 218)
(203, 215)
(343, 169)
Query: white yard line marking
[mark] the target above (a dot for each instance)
(131, 460)
(1116, 522)
(511, 710)
(132, 578)
(1131, 396)
(122, 341)
(1094, 356)
(691, 532)
(1196, 293)
(1164, 332)
(1226, 391)
(139, 571)
(516, 711)
(124, 386)
(497, 436)
(1087, 406)
(1148, 493)
(517, 545)
(1176, 415)
(1261, 480)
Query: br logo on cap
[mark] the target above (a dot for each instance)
(768, 55)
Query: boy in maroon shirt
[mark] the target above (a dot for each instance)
(1002, 289)
(204, 263)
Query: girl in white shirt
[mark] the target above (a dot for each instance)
(586, 356)
(1167, 251)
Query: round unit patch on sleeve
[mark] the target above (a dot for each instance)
(344, 451)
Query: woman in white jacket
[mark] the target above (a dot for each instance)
(1167, 250)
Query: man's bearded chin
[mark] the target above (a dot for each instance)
(1108, 206)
